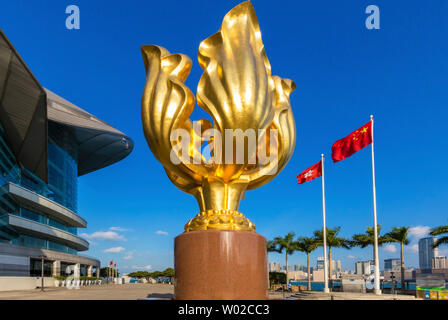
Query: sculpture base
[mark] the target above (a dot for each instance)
(219, 220)
(220, 265)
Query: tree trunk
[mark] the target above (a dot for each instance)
(308, 270)
(402, 267)
(287, 271)
(330, 271)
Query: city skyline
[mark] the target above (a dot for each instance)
(343, 75)
(429, 258)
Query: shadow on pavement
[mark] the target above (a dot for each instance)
(160, 296)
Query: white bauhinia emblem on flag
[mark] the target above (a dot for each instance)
(309, 173)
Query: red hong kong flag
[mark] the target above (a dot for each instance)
(352, 143)
(313, 172)
(115, 265)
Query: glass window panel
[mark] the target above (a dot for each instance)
(30, 215)
(36, 268)
(40, 217)
(56, 246)
(63, 166)
(38, 243)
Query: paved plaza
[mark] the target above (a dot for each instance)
(103, 292)
(165, 291)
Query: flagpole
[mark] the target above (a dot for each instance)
(324, 232)
(375, 223)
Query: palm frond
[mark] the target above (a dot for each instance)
(282, 243)
(398, 234)
(364, 240)
(439, 230)
(333, 241)
(306, 244)
(440, 241)
(272, 246)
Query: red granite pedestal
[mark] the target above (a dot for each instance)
(220, 265)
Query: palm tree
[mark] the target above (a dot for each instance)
(438, 231)
(286, 243)
(364, 240)
(307, 245)
(399, 234)
(333, 241)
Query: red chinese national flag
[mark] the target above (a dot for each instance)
(313, 172)
(352, 143)
(111, 263)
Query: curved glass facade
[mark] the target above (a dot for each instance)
(62, 188)
(62, 184)
(9, 170)
(62, 166)
(35, 215)
(40, 243)
(31, 182)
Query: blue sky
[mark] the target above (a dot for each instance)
(343, 73)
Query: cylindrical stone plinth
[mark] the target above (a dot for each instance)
(220, 265)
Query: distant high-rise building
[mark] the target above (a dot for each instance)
(359, 267)
(274, 267)
(392, 264)
(289, 268)
(439, 263)
(364, 267)
(320, 263)
(336, 266)
(278, 267)
(299, 267)
(426, 252)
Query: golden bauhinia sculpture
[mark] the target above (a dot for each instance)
(253, 132)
